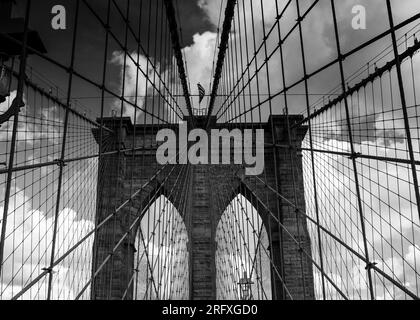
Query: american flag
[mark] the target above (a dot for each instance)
(201, 92)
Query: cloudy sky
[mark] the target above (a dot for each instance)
(199, 20)
(377, 132)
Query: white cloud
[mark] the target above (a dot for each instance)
(28, 248)
(199, 57)
(391, 221)
(413, 255)
(31, 129)
(130, 80)
(165, 240)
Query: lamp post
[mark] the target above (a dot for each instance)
(5, 74)
(6, 9)
(5, 78)
(12, 31)
(245, 288)
(15, 39)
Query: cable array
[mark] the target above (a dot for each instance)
(86, 212)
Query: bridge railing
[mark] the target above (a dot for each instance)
(200, 112)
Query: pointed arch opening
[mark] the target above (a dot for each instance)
(161, 258)
(242, 254)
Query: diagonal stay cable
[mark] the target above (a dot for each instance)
(338, 240)
(137, 39)
(92, 82)
(326, 66)
(94, 230)
(224, 41)
(170, 13)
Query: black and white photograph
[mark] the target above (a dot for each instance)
(209, 158)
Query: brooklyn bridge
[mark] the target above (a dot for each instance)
(92, 92)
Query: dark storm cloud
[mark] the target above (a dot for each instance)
(90, 44)
(91, 32)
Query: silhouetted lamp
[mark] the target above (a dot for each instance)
(11, 38)
(5, 79)
(245, 287)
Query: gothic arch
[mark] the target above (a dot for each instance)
(161, 252)
(148, 200)
(242, 256)
(243, 190)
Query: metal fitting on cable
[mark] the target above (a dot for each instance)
(60, 163)
(355, 155)
(48, 270)
(370, 265)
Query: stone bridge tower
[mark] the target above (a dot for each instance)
(121, 173)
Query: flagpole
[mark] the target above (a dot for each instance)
(201, 95)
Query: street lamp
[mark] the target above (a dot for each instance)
(245, 287)
(12, 31)
(5, 78)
